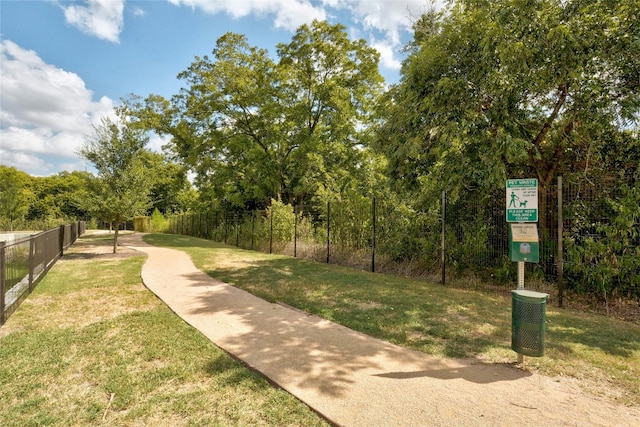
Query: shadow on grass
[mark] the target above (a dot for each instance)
(99, 256)
(610, 336)
(228, 370)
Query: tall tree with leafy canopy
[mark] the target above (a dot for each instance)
(254, 129)
(329, 85)
(121, 189)
(512, 88)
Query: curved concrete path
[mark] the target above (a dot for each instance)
(355, 380)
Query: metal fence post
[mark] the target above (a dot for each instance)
(295, 231)
(328, 230)
(443, 257)
(61, 252)
(373, 235)
(2, 281)
(216, 225)
(271, 229)
(32, 253)
(226, 228)
(253, 228)
(237, 230)
(560, 246)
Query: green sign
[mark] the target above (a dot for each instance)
(523, 243)
(522, 200)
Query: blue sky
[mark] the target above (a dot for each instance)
(64, 65)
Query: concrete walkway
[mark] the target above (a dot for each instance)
(355, 380)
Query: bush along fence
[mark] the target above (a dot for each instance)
(589, 237)
(25, 261)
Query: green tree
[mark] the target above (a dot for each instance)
(169, 183)
(330, 85)
(121, 189)
(57, 198)
(15, 195)
(512, 88)
(253, 129)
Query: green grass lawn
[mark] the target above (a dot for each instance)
(602, 353)
(92, 346)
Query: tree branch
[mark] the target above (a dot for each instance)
(563, 91)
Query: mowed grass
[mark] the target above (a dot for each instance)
(92, 346)
(603, 354)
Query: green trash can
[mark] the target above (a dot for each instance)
(528, 318)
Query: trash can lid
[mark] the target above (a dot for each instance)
(529, 294)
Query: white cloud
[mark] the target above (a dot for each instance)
(46, 111)
(373, 19)
(387, 54)
(156, 142)
(387, 16)
(390, 19)
(23, 161)
(289, 14)
(137, 11)
(101, 18)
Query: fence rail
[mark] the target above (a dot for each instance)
(25, 261)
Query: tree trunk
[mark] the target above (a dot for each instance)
(116, 226)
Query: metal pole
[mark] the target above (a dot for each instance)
(2, 282)
(206, 225)
(271, 230)
(443, 258)
(295, 231)
(61, 241)
(32, 252)
(237, 230)
(253, 228)
(226, 228)
(520, 274)
(216, 226)
(560, 246)
(520, 286)
(328, 229)
(373, 235)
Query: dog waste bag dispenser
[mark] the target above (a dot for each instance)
(523, 243)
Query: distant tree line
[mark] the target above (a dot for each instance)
(35, 203)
